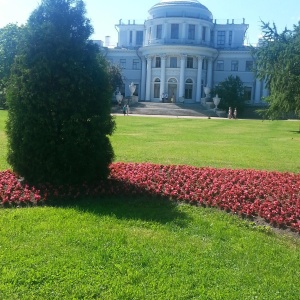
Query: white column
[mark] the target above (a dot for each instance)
(257, 91)
(181, 79)
(148, 78)
(163, 74)
(208, 34)
(143, 81)
(199, 78)
(165, 31)
(265, 92)
(183, 33)
(209, 72)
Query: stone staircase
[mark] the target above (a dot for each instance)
(171, 109)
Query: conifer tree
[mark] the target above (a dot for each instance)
(59, 99)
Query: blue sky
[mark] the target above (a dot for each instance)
(105, 16)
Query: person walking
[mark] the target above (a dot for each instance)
(124, 109)
(235, 113)
(230, 113)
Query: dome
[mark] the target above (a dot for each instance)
(180, 8)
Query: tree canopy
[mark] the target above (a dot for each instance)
(231, 92)
(10, 41)
(59, 99)
(278, 64)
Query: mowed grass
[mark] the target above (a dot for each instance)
(237, 144)
(145, 248)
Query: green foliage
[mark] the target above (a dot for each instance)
(10, 41)
(231, 92)
(277, 62)
(116, 77)
(59, 99)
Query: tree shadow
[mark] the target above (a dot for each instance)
(126, 206)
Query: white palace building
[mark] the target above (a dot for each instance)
(179, 50)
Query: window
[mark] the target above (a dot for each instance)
(123, 63)
(159, 32)
(174, 31)
(136, 64)
(191, 32)
(234, 65)
(173, 62)
(247, 93)
(221, 38)
(230, 38)
(157, 62)
(249, 66)
(203, 33)
(188, 92)
(220, 65)
(189, 62)
(156, 88)
(139, 37)
(130, 37)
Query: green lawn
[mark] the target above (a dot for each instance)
(269, 145)
(126, 248)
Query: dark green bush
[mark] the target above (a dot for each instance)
(59, 99)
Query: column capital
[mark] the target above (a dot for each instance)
(163, 56)
(200, 57)
(183, 56)
(149, 57)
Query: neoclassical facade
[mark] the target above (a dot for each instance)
(179, 50)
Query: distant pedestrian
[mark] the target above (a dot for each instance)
(127, 109)
(124, 109)
(230, 113)
(235, 113)
(163, 97)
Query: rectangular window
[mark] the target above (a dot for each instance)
(221, 38)
(174, 31)
(173, 62)
(136, 64)
(189, 62)
(230, 38)
(220, 65)
(130, 37)
(203, 33)
(157, 62)
(249, 66)
(159, 32)
(139, 37)
(247, 93)
(234, 65)
(191, 32)
(123, 63)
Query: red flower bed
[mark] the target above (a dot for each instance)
(273, 196)
(13, 192)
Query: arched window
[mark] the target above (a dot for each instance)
(157, 88)
(188, 92)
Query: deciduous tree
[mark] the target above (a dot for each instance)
(231, 92)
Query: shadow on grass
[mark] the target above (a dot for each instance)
(138, 207)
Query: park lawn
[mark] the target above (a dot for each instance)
(148, 248)
(237, 144)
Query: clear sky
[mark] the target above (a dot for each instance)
(104, 14)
